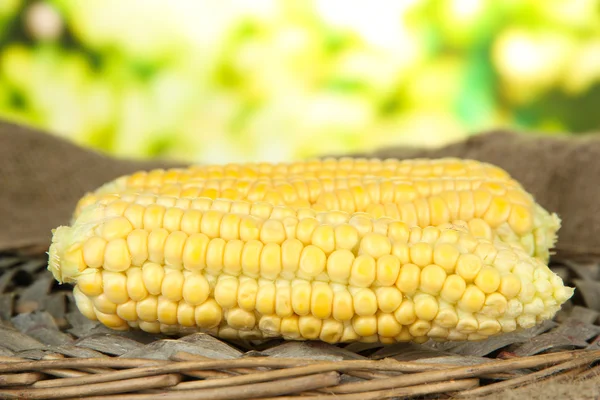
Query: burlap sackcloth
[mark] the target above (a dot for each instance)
(42, 178)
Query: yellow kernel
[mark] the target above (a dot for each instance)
(93, 251)
(487, 252)
(172, 219)
(195, 289)
(185, 314)
(172, 285)
(166, 311)
(324, 238)
(362, 223)
(272, 231)
(211, 223)
(438, 210)
(103, 304)
(497, 212)
(312, 262)
(214, 256)
(480, 229)
(468, 266)
(146, 309)
(472, 299)
(208, 314)
(402, 252)
(339, 265)
(520, 219)
(466, 322)
(309, 327)
(112, 321)
(488, 279)
(305, 229)
(408, 214)
(270, 261)
(238, 318)
(343, 304)
(331, 331)
(375, 245)
(152, 276)
(247, 292)
(265, 298)
(446, 317)
(174, 249)
(451, 236)
(433, 278)
(421, 254)
(115, 286)
(251, 258)
(430, 234)
(364, 301)
(453, 288)
(194, 252)
(409, 278)
(135, 214)
(301, 296)
(495, 305)
(283, 299)
(226, 291)
(346, 236)
(452, 200)
(90, 282)
(405, 314)
(156, 245)
(127, 311)
(137, 242)
(116, 256)
(153, 217)
(190, 222)
(446, 256)
(388, 298)
(321, 300)
(426, 306)
(510, 286)
(398, 232)
(388, 269)
(365, 325)
(270, 326)
(289, 327)
(232, 257)
(250, 228)
(364, 270)
(419, 328)
(290, 257)
(387, 325)
(116, 228)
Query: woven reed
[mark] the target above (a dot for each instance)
(48, 350)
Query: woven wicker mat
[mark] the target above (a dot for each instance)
(49, 350)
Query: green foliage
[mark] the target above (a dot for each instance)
(279, 80)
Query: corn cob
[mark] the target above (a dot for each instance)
(492, 207)
(248, 270)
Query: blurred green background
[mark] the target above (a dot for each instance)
(244, 80)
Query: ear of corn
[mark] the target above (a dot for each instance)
(343, 250)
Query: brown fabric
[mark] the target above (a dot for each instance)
(43, 177)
